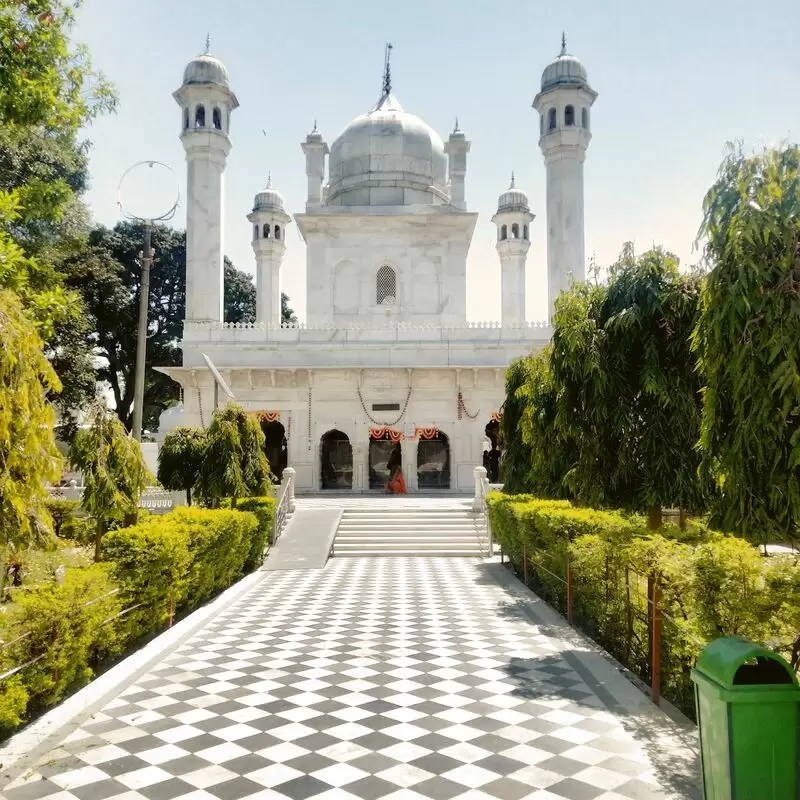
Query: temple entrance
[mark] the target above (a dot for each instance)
(336, 461)
(275, 448)
(433, 462)
(384, 456)
(491, 451)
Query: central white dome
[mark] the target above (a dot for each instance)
(387, 157)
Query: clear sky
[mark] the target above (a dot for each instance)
(676, 81)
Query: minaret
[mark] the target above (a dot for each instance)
(457, 148)
(206, 102)
(269, 220)
(564, 134)
(513, 219)
(315, 150)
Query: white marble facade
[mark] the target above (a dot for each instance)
(387, 343)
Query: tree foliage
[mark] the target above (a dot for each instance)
(748, 342)
(114, 472)
(550, 452)
(180, 458)
(28, 456)
(234, 465)
(517, 451)
(628, 391)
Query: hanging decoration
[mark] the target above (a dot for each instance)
(462, 409)
(427, 433)
(497, 416)
(309, 418)
(378, 422)
(266, 416)
(385, 432)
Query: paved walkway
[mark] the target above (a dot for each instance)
(374, 678)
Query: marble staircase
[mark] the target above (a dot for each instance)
(391, 529)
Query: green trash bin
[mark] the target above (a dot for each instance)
(747, 700)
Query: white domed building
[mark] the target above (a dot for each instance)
(386, 355)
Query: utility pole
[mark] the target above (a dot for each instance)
(141, 339)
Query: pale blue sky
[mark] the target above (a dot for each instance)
(676, 81)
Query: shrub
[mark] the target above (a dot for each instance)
(62, 512)
(264, 510)
(711, 584)
(178, 560)
(68, 624)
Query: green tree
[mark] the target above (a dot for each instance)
(628, 390)
(516, 451)
(287, 313)
(28, 456)
(748, 342)
(107, 274)
(180, 458)
(550, 452)
(113, 469)
(234, 465)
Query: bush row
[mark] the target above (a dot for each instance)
(712, 584)
(63, 632)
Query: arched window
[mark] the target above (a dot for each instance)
(200, 117)
(186, 119)
(503, 232)
(569, 115)
(385, 286)
(515, 231)
(266, 231)
(525, 233)
(551, 119)
(585, 118)
(277, 231)
(216, 118)
(255, 231)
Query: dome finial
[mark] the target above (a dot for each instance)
(456, 129)
(563, 43)
(315, 127)
(387, 72)
(269, 179)
(208, 43)
(512, 180)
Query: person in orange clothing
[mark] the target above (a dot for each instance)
(396, 484)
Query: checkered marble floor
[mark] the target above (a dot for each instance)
(371, 679)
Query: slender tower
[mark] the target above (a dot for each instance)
(206, 102)
(564, 105)
(315, 151)
(457, 147)
(269, 220)
(513, 219)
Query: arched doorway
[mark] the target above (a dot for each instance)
(491, 451)
(383, 454)
(336, 461)
(433, 462)
(275, 448)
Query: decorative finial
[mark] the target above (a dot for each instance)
(387, 73)
(315, 127)
(456, 129)
(512, 181)
(269, 179)
(208, 43)
(563, 43)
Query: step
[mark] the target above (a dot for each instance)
(406, 553)
(405, 526)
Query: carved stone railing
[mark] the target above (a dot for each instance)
(154, 498)
(192, 326)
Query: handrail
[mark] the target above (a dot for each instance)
(285, 504)
(480, 508)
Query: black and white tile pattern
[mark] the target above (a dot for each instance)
(373, 678)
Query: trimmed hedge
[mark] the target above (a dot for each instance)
(712, 584)
(179, 560)
(264, 510)
(162, 566)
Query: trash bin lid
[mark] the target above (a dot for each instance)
(732, 661)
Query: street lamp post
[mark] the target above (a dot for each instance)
(146, 262)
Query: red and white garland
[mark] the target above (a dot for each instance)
(267, 416)
(430, 432)
(385, 432)
(497, 416)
